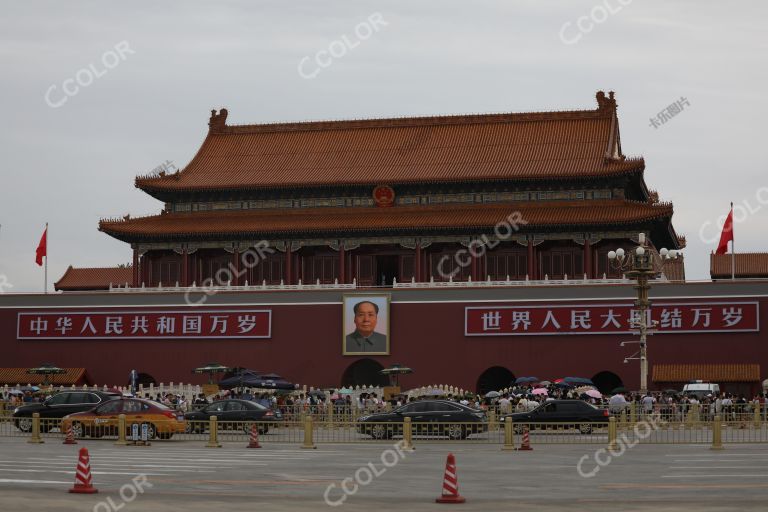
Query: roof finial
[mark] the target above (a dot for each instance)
(604, 103)
(218, 121)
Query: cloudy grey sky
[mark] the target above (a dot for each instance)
(73, 164)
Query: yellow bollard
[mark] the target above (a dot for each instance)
(309, 440)
(121, 431)
(213, 428)
(612, 433)
(632, 414)
(623, 422)
(35, 429)
(492, 421)
(330, 415)
(407, 435)
(756, 418)
(717, 434)
(509, 438)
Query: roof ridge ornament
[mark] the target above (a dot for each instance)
(607, 104)
(218, 122)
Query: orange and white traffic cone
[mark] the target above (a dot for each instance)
(526, 444)
(70, 437)
(83, 478)
(254, 443)
(450, 483)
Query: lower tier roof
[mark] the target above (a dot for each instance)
(412, 219)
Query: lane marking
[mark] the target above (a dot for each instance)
(703, 475)
(684, 486)
(718, 467)
(16, 481)
(9, 470)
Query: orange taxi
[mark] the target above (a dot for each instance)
(161, 421)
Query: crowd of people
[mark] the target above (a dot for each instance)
(521, 398)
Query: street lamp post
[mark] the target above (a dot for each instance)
(640, 267)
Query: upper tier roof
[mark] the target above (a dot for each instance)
(524, 146)
(539, 215)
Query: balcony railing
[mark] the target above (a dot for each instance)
(228, 287)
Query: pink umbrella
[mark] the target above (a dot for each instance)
(593, 393)
(540, 391)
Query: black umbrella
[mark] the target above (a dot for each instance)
(252, 379)
(578, 380)
(620, 389)
(244, 378)
(671, 392)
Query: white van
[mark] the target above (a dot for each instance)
(700, 389)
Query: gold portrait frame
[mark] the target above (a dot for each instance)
(382, 300)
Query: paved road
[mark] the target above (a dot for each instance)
(185, 476)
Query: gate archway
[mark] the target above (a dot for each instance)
(606, 381)
(493, 379)
(364, 372)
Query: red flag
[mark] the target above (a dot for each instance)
(42, 248)
(727, 234)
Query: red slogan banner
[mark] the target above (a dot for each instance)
(610, 319)
(145, 324)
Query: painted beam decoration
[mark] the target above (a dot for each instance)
(663, 318)
(101, 325)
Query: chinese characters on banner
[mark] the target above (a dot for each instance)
(145, 324)
(610, 319)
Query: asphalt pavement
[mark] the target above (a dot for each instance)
(187, 477)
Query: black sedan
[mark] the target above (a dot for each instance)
(235, 413)
(574, 412)
(429, 417)
(57, 406)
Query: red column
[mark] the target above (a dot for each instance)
(135, 276)
(288, 257)
(342, 259)
(588, 260)
(145, 268)
(417, 263)
(184, 267)
(235, 269)
(531, 262)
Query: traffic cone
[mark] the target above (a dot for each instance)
(526, 444)
(70, 437)
(254, 443)
(450, 483)
(83, 478)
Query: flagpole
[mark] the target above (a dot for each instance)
(733, 248)
(45, 284)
